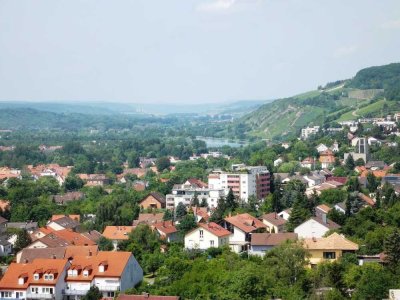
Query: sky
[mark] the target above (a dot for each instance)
(188, 51)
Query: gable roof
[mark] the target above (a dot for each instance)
(28, 255)
(323, 208)
(333, 242)
(65, 221)
(272, 239)
(245, 222)
(197, 182)
(274, 219)
(114, 262)
(166, 227)
(329, 223)
(148, 218)
(18, 270)
(160, 198)
(215, 229)
(117, 232)
(368, 200)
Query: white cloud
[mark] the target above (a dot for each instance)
(393, 24)
(345, 51)
(216, 6)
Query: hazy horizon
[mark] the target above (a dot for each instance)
(199, 52)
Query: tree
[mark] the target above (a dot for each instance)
(350, 164)
(204, 202)
(219, 212)
(360, 162)
(73, 183)
(180, 211)
(93, 294)
(186, 224)
(168, 215)
(392, 251)
(230, 201)
(299, 214)
(195, 201)
(372, 182)
(23, 240)
(105, 244)
(163, 163)
(153, 262)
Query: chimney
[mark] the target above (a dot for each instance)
(324, 218)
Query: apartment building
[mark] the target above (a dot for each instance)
(185, 193)
(245, 181)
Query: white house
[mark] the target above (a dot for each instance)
(5, 246)
(110, 271)
(40, 279)
(321, 148)
(207, 235)
(315, 227)
(285, 214)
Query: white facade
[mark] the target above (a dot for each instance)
(243, 183)
(186, 196)
(284, 215)
(308, 131)
(202, 239)
(321, 148)
(310, 229)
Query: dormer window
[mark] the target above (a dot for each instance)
(51, 277)
(36, 276)
(101, 268)
(46, 277)
(86, 273)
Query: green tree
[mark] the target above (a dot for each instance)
(230, 201)
(23, 240)
(168, 215)
(73, 183)
(93, 294)
(195, 201)
(392, 251)
(349, 163)
(186, 224)
(105, 244)
(163, 163)
(180, 211)
(203, 202)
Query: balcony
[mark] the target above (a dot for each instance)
(108, 288)
(75, 292)
(40, 296)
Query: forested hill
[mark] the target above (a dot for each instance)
(373, 91)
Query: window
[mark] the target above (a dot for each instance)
(46, 277)
(85, 273)
(6, 294)
(212, 243)
(329, 255)
(110, 294)
(36, 276)
(201, 233)
(35, 290)
(51, 277)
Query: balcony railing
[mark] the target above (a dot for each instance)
(40, 296)
(108, 288)
(75, 292)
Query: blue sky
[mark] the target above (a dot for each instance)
(188, 51)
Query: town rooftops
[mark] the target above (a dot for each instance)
(27, 255)
(274, 219)
(113, 264)
(42, 267)
(165, 227)
(271, 239)
(68, 197)
(117, 232)
(160, 198)
(146, 296)
(245, 222)
(215, 229)
(65, 221)
(333, 242)
(148, 219)
(23, 225)
(367, 200)
(328, 224)
(197, 182)
(323, 208)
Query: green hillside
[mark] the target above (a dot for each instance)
(372, 92)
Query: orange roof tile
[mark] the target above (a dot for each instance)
(117, 232)
(215, 229)
(18, 270)
(245, 222)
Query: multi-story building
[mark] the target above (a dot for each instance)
(185, 193)
(244, 181)
(306, 132)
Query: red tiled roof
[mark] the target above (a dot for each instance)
(366, 199)
(245, 222)
(271, 239)
(215, 229)
(274, 219)
(117, 232)
(166, 227)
